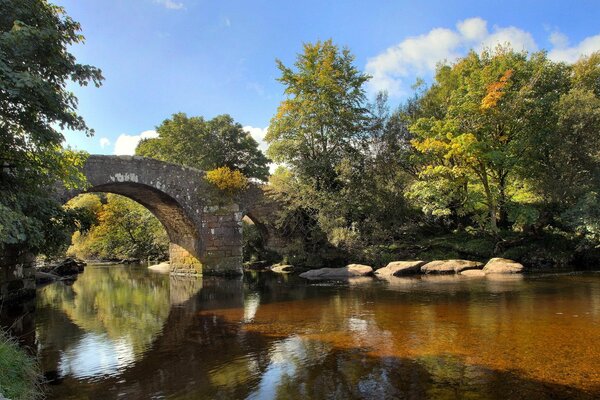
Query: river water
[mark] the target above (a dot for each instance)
(122, 332)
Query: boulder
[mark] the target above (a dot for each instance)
(450, 266)
(399, 268)
(348, 271)
(68, 267)
(502, 266)
(473, 272)
(282, 268)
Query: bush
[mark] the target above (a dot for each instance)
(227, 180)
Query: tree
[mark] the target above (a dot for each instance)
(206, 145)
(323, 114)
(492, 105)
(35, 66)
(122, 228)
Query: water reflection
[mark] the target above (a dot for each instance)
(123, 333)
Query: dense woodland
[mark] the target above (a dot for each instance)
(498, 155)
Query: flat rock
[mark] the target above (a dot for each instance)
(502, 266)
(348, 271)
(282, 269)
(450, 266)
(473, 272)
(399, 268)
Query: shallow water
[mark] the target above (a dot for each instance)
(124, 332)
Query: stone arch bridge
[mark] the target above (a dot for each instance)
(205, 232)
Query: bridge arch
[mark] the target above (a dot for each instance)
(205, 236)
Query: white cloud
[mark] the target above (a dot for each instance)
(170, 4)
(259, 135)
(104, 142)
(126, 144)
(562, 52)
(419, 55)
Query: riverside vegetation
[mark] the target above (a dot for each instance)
(498, 156)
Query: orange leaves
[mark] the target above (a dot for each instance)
(495, 91)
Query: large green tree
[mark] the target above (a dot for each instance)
(206, 145)
(323, 114)
(35, 105)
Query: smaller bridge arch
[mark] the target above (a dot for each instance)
(205, 236)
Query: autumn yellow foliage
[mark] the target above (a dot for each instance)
(227, 180)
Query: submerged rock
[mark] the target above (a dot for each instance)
(473, 272)
(502, 266)
(45, 277)
(450, 266)
(282, 268)
(348, 271)
(163, 267)
(399, 268)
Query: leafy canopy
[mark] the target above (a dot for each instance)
(323, 113)
(206, 145)
(35, 67)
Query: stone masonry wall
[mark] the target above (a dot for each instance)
(17, 280)
(221, 234)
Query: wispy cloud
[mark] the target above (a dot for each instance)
(104, 141)
(170, 4)
(126, 144)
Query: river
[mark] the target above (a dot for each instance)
(122, 332)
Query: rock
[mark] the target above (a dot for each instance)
(163, 267)
(282, 269)
(449, 266)
(473, 273)
(256, 265)
(398, 268)
(45, 277)
(68, 267)
(348, 271)
(502, 266)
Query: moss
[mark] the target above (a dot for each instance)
(20, 377)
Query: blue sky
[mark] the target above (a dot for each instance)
(208, 58)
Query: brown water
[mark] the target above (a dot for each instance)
(123, 332)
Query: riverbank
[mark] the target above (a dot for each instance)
(20, 377)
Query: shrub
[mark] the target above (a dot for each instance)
(227, 180)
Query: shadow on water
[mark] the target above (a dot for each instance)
(278, 337)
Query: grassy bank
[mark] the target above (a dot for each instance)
(19, 372)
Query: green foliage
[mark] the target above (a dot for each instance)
(20, 376)
(478, 160)
(322, 115)
(35, 67)
(122, 229)
(206, 145)
(501, 149)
